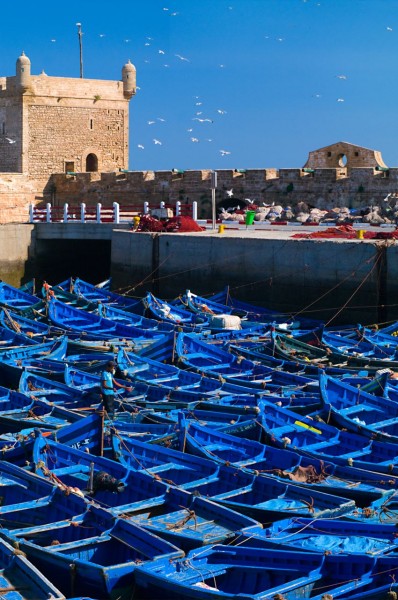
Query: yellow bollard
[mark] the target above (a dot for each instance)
(360, 233)
(136, 221)
(221, 228)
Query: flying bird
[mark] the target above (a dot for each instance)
(157, 142)
(151, 122)
(182, 57)
(161, 51)
(140, 146)
(340, 99)
(198, 103)
(160, 119)
(101, 35)
(174, 14)
(190, 130)
(389, 28)
(229, 193)
(53, 40)
(202, 120)
(341, 77)
(147, 44)
(221, 112)
(10, 141)
(194, 139)
(224, 152)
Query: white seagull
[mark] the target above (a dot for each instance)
(340, 99)
(194, 139)
(229, 193)
(202, 120)
(224, 152)
(140, 146)
(161, 51)
(157, 142)
(221, 112)
(389, 28)
(10, 141)
(182, 57)
(151, 122)
(341, 77)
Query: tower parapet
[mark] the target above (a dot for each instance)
(23, 78)
(129, 79)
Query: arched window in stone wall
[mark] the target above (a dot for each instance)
(91, 163)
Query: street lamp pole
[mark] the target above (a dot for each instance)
(213, 198)
(80, 36)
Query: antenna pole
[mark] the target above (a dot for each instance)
(80, 36)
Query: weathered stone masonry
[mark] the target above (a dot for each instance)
(66, 140)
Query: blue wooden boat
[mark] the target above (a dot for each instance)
(262, 499)
(261, 574)
(94, 293)
(21, 412)
(56, 393)
(216, 313)
(312, 437)
(293, 349)
(372, 416)
(182, 518)
(262, 351)
(381, 511)
(283, 464)
(73, 319)
(177, 316)
(261, 314)
(131, 319)
(174, 467)
(31, 500)
(12, 339)
(14, 298)
(199, 304)
(171, 377)
(52, 349)
(93, 554)
(85, 433)
(215, 362)
(28, 328)
(334, 536)
(355, 344)
(20, 580)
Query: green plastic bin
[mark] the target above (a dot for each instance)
(249, 219)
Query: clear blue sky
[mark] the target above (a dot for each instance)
(270, 66)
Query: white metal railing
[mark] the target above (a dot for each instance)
(116, 213)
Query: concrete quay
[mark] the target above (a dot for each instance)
(348, 280)
(268, 266)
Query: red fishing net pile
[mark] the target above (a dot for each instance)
(348, 232)
(172, 225)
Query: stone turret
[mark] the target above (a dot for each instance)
(23, 72)
(129, 80)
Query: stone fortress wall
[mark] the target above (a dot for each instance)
(66, 140)
(317, 183)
